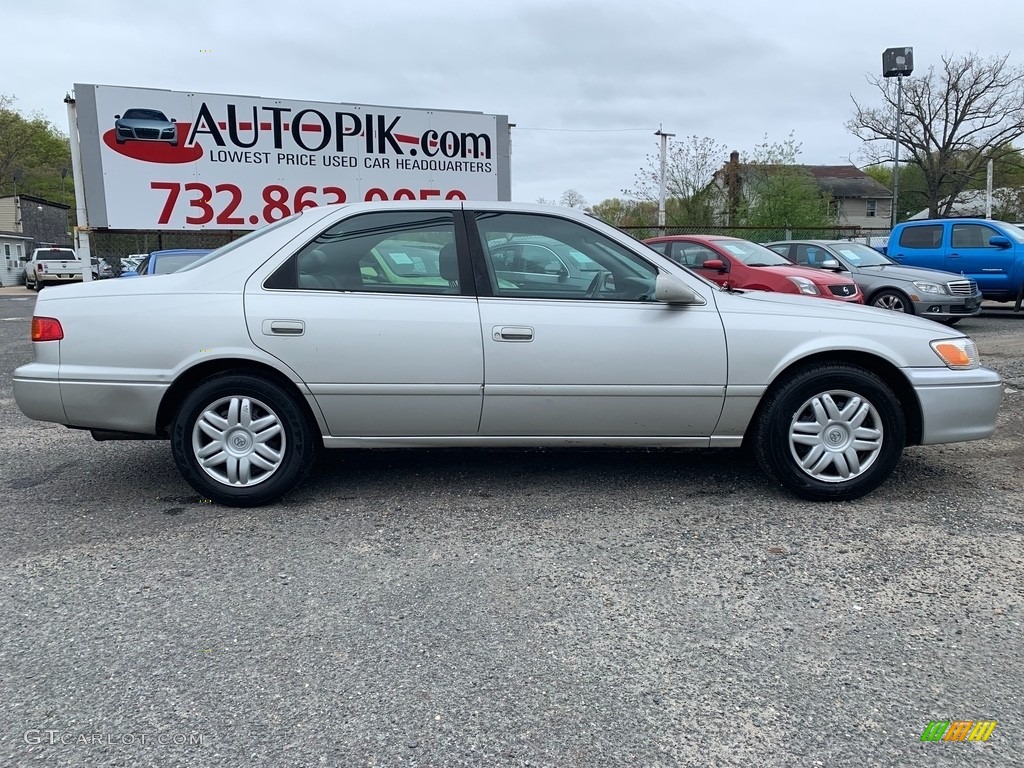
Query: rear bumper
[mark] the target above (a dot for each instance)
(37, 392)
(956, 405)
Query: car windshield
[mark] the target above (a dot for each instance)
(752, 254)
(1014, 231)
(172, 262)
(861, 255)
(144, 114)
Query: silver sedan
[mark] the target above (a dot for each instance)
(292, 339)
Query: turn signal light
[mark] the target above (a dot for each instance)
(46, 329)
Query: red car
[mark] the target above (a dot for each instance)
(736, 263)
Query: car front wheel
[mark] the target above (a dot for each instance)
(893, 301)
(832, 432)
(242, 440)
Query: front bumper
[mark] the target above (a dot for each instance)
(943, 307)
(956, 405)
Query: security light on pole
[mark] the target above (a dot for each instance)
(898, 63)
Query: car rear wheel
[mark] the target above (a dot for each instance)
(242, 440)
(832, 432)
(893, 301)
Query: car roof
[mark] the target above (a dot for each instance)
(169, 251)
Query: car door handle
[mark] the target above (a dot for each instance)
(512, 333)
(954, 255)
(283, 327)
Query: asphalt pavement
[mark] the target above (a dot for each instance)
(508, 608)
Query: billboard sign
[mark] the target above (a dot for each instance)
(158, 159)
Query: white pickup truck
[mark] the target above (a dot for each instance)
(52, 266)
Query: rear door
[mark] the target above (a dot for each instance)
(383, 358)
(920, 245)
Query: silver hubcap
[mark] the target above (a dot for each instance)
(238, 441)
(836, 436)
(894, 303)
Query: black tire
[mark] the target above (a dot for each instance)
(952, 320)
(784, 404)
(894, 301)
(295, 441)
(1019, 299)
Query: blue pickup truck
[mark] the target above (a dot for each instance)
(989, 252)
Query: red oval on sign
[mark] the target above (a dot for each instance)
(156, 151)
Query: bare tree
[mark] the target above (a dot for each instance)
(954, 120)
(572, 199)
(690, 165)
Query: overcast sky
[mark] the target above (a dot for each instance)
(586, 83)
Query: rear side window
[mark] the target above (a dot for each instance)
(927, 236)
(384, 252)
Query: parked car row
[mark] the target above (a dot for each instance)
(830, 269)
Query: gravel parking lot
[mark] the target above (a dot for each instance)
(508, 608)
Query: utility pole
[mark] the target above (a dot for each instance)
(661, 194)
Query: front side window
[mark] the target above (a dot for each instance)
(385, 252)
(924, 236)
(972, 235)
(539, 256)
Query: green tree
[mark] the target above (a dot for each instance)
(35, 151)
(690, 165)
(953, 121)
(626, 213)
(778, 192)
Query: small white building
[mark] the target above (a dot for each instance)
(13, 253)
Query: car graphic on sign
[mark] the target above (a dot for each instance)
(145, 125)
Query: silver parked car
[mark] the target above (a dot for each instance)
(292, 338)
(930, 293)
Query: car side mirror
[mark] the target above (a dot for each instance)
(832, 264)
(117, 117)
(999, 241)
(669, 289)
(714, 264)
(173, 120)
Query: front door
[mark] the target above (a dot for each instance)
(600, 360)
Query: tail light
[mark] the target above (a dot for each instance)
(41, 267)
(46, 329)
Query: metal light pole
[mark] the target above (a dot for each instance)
(898, 63)
(896, 154)
(661, 194)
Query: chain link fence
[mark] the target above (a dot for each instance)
(114, 247)
(875, 237)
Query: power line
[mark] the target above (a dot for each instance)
(583, 130)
